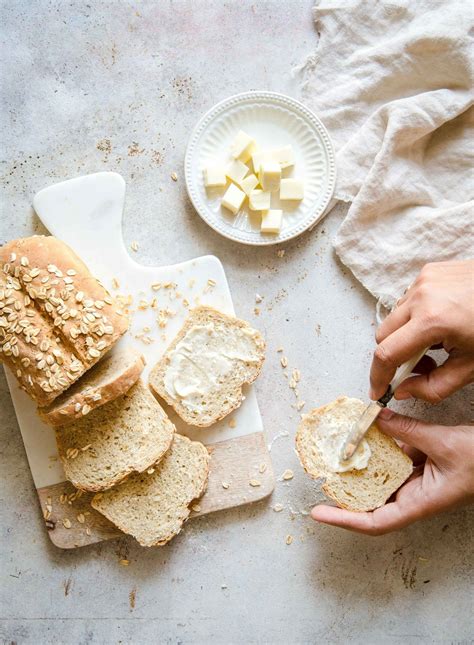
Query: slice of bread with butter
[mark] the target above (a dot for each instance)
(376, 470)
(203, 370)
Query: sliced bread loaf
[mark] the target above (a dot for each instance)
(111, 377)
(203, 370)
(152, 506)
(319, 439)
(127, 434)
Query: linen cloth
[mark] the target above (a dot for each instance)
(392, 82)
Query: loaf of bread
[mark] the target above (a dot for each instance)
(128, 434)
(111, 377)
(357, 490)
(153, 506)
(56, 319)
(202, 372)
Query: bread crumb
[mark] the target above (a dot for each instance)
(296, 376)
(81, 518)
(88, 531)
(67, 523)
(174, 176)
(284, 361)
(225, 485)
(288, 474)
(281, 253)
(289, 539)
(256, 311)
(278, 507)
(300, 405)
(132, 596)
(262, 468)
(258, 298)
(124, 562)
(134, 246)
(232, 423)
(254, 483)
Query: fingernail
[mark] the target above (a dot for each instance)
(386, 414)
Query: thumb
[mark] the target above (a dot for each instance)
(420, 435)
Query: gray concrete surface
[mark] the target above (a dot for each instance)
(118, 85)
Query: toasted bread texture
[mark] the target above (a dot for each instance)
(128, 434)
(111, 377)
(355, 490)
(152, 506)
(230, 342)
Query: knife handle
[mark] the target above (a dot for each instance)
(400, 375)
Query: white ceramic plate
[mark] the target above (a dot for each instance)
(274, 120)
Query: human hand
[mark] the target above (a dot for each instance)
(438, 309)
(443, 477)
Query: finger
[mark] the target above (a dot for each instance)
(424, 366)
(395, 350)
(396, 319)
(408, 507)
(439, 383)
(412, 432)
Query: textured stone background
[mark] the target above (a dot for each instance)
(118, 85)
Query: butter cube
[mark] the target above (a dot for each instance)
(258, 157)
(236, 171)
(270, 175)
(283, 156)
(214, 175)
(291, 189)
(233, 198)
(259, 200)
(248, 184)
(242, 146)
(271, 221)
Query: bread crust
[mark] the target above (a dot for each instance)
(156, 379)
(56, 319)
(81, 399)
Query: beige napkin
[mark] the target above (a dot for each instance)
(392, 81)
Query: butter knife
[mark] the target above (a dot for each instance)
(371, 412)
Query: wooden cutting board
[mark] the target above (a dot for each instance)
(86, 213)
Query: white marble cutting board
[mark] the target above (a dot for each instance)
(86, 213)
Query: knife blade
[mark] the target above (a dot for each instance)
(371, 412)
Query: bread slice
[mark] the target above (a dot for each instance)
(56, 319)
(238, 352)
(127, 434)
(356, 490)
(152, 506)
(111, 377)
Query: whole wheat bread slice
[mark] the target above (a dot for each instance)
(227, 395)
(356, 490)
(153, 506)
(127, 434)
(111, 377)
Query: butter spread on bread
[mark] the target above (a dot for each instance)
(202, 373)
